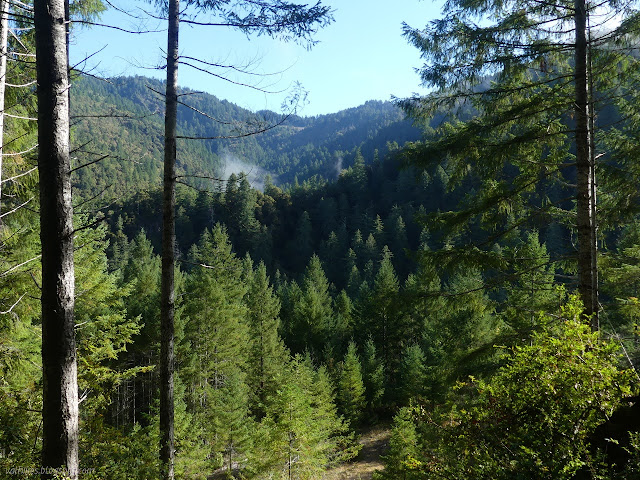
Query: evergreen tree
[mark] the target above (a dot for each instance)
(330, 250)
(381, 318)
(302, 242)
(240, 205)
(267, 354)
(119, 247)
(289, 294)
(357, 245)
(301, 434)
(403, 448)
(227, 421)
(412, 374)
(342, 329)
(313, 311)
(373, 377)
(532, 291)
(371, 253)
(216, 344)
(525, 79)
(351, 390)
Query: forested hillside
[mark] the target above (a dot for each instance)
(123, 118)
(459, 270)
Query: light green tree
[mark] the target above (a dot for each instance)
(373, 377)
(301, 434)
(267, 353)
(351, 390)
(216, 345)
(313, 312)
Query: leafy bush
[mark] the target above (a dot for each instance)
(532, 419)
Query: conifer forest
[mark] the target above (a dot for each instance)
(193, 290)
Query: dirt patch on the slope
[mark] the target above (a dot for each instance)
(375, 442)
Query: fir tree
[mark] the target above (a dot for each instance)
(267, 354)
(525, 80)
(342, 328)
(403, 448)
(412, 374)
(216, 344)
(373, 377)
(351, 390)
(313, 312)
(381, 318)
(300, 435)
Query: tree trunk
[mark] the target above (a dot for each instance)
(60, 395)
(4, 30)
(168, 249)
(585, 208)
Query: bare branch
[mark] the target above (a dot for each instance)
(20, 117)
(17, 154)
(12, 306)
(94, 197)
(226, 79)
(20, 86)
(114, 115)
(89, 225)
(206, 177)
(20, 175)
(16, 208)
(235, 68)
(87, 58)
(15, 267)
(113, 27)
(240, 135)
(89, 163)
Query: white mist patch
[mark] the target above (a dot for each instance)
(338, 166)
(255, 175)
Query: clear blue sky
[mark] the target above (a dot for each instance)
(359, 57)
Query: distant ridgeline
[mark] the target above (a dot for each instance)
(121, 119)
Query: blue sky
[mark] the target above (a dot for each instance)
(359, 57)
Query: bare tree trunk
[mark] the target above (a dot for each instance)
(168, 249)
(4, 30)
(587, 261)
(60, 395)
(595, 322)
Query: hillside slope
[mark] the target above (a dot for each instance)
(123, 118)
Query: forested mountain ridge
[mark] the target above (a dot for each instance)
(122, 118)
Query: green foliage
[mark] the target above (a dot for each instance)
(621, 282)
(380, 316)
(119, 454)
(313, 312)
(532, 290)
(215, 345)
(351, 390)
(267, 353)
(413, 375)
(509, 120)
(534, 417)
(103, 328)
(301, 434)
(373, 377)
(400, 460)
